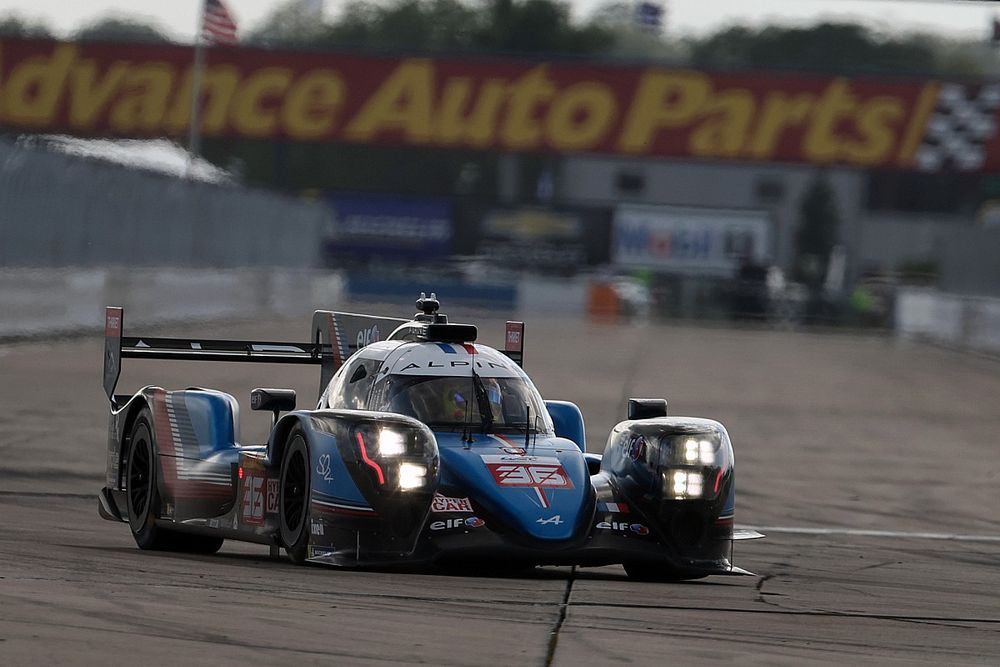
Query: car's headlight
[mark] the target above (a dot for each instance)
(396, 457)
(692, 465)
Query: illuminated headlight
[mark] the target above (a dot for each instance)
(391, 443)
(697, 451)
(412, 476)
(684, 483)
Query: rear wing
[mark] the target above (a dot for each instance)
(343, 334)
(336, 336)
(117, 346)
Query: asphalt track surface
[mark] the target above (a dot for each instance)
(886, 451)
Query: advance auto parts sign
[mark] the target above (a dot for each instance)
(689, 240)
(508, 105)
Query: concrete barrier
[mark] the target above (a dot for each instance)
(46, 302)
(966, 322)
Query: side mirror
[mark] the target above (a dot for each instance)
(647, 408)
(272, 400)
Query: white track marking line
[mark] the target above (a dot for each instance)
(855, 532)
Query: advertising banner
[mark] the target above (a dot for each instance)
(131, 90)
(538, 239)
(408, 229)
(692, 241)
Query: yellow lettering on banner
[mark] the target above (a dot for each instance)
(821, 143)
(34, 87)
(403, 102)
(89, 93)
(522, 128)
(780, 111)
(580, 116)
(917, 126)
(875, 121)
(311, 106)
(662, 100)
(248, 112)
(474, 128)
(218, 86)
(727, 117)
(146, 91)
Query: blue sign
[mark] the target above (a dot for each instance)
(389, 228)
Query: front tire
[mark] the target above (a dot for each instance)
(143, 497)
(294, 497)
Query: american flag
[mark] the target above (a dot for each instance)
(218, 25)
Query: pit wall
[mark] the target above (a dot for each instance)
(46, 302)
(965, 322)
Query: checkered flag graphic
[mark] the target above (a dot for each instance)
(963, 122)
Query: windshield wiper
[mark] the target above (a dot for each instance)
(485, 412)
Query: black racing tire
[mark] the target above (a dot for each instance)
(646, 571)
(141, 493)
(143, 497)
(293, 497)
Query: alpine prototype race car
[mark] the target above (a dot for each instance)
(425, 447)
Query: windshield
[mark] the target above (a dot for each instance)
(449, 401)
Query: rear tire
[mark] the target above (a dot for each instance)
(294, 495)
(645, 571)
(143, 497)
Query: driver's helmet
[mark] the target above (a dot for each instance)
(458, 398)
(455, 399)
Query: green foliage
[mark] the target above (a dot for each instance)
(113, 29)
(835, 48)
(14, 26)
(523, 26)
(817, 231)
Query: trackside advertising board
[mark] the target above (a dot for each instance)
(132, 90)
(411, 229)
(693, 241)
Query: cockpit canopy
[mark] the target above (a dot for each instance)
(434, 383)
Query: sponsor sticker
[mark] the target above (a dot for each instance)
(316, 528)
(623, 526)
(448, 524)
(446, 504)
(253, 498)
(323, 468)
(272, 496)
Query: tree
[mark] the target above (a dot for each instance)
(14, 26)
(112, 29)
(831, 48)
(817, 231)
(519, 26)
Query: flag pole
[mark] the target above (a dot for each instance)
(194, 131)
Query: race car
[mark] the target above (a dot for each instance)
(425, 447)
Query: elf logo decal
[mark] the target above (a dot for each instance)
(448, 524)
(636, 528)
(535, 472)
(368, 336)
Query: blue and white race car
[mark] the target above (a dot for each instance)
(424, 447)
